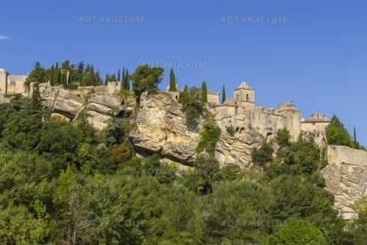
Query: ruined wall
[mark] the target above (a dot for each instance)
(344, 154)
(315, 129)
(16, 84)
(346, 177)
(213, 98)
(2, 81)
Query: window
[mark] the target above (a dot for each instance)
(247, 98)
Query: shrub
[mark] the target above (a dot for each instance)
(262, 155)
(209, 137)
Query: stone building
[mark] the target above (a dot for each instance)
(242, 114)
(213, 98)
(12, 84)
(315, 126)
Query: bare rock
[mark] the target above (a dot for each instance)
(161, 128)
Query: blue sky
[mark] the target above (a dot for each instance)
(311, 52)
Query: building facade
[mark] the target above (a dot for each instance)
(12, 84)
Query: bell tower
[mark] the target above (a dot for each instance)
(244, 96)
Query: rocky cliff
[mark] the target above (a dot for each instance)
(97, 104)
(161, 128)
(160, 123)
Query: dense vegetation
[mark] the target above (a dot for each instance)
(65, 184)
(70, 75)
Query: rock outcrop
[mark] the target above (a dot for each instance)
(97, 104)
(161, 128)
(346, 177)
(161, 123)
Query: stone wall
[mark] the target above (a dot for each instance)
(12, 84)
(265, 121)
(3, 80)
(344, 154)
(16, 84)
(213, 98)
(346, 177)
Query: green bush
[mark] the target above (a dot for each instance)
(336, 133)
(297, 231)
(209, 137)
(263, 155)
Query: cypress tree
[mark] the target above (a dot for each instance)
(223, 94)
(184, 96)
(204, 92)
(119, 75)
(172, 81)
(127, 81)
(36, 102)
(355, 142)
(122, 79)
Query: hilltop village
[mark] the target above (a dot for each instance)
(160, 125)
(240, 111)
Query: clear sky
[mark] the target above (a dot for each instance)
(311, 52)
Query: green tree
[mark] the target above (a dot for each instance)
(336, 133)
(146, 78)
(209, 137)
(37, 75)
(263, 155)
(119, 75)
(235, 212)
(36, 98)
(204, 92)
(223, 94)
(184, 96)
(355, 143)
(283, 137)
(172, 81)
(359, 226)
(297, 231)
(125, 80)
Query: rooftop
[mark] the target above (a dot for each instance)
(244, 85)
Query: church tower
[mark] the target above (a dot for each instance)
(244, 96)
(3, 81)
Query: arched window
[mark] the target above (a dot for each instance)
(247, 98)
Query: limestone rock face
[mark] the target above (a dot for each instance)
(98, 105)
(346, 177)
(237, 148)
(100, 109)
(161, 128)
